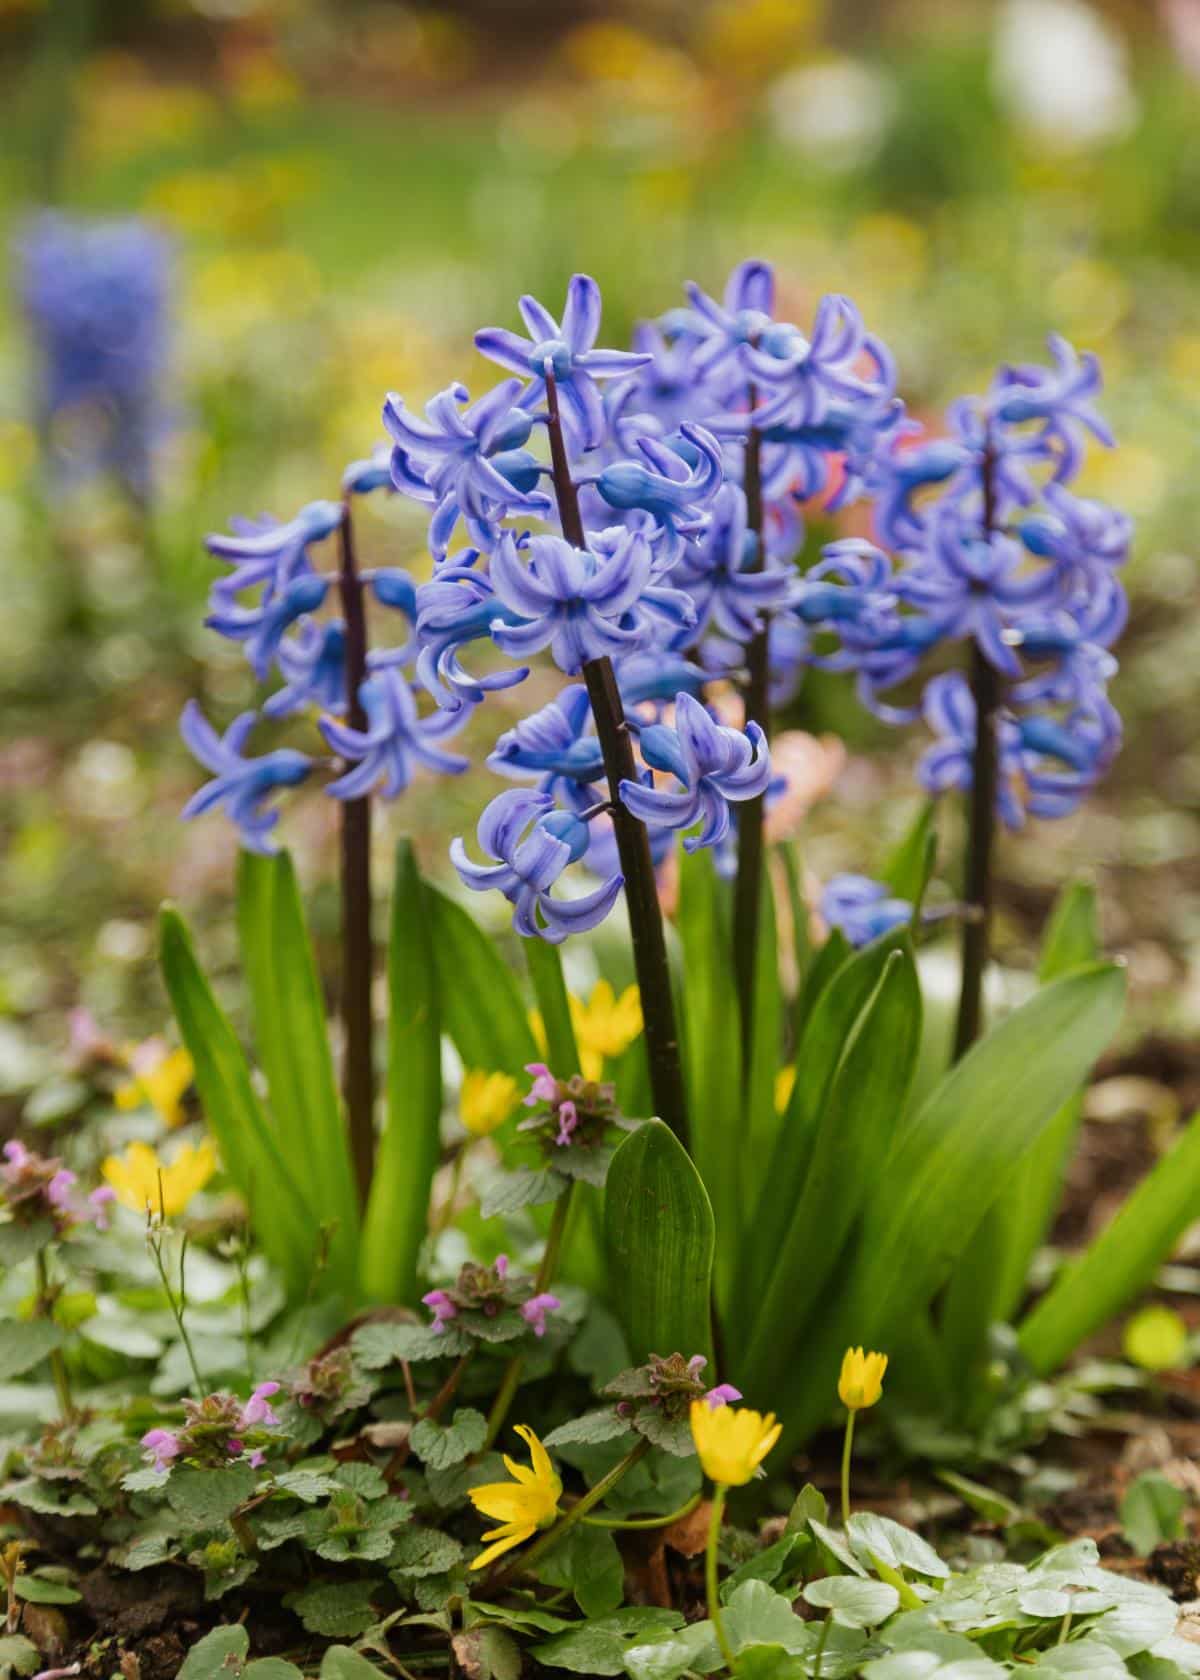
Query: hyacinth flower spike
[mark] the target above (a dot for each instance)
(395, 740)
(242, 784)
(264, 551)
(534, 843)
(569, 348)
(714, 765)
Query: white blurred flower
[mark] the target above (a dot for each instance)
(836, 112)
(1061, 69)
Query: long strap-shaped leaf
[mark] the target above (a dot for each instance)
(712, 1050)
(550, 989)
(292, 1040)
(1121, 1261)
(988, 1284)
(481, 1004)
(853, 1135)
(397, 1216)
(949, 1164)
(660, 1236)
(286, 1228)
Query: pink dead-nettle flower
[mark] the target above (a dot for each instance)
(534, 1311)
(544, 1088)
(724, 1394)
(442, 1308)
(568, 1119)
(162, 1447)
(257, 1411)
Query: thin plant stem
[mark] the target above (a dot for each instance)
(710, 1576)
(847, 1454)
(247, 1337)
(511, 1379)
(58, 1365)
(633, 842)
(748, 885)
(819, 1654)
(358, 958)
(567, 1521)
(981, 816)
(448, 1389)
(154, 1241)
(646, 1522)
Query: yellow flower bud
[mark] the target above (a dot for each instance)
(861, 1381)
(732, 1440)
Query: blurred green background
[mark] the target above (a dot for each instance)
(353, 187)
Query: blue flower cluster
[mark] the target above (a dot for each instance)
(96, 295)
(688, 460)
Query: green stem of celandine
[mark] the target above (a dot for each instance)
(847, 1454)
(710, 1576)
(511, 1379)
(747, 890)
(567, 1521)
(358, 957)
(58, 1365)
(633, 842)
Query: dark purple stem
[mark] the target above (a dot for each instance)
(633, 842)
(358, 957)
(747, 891)
(977, 887)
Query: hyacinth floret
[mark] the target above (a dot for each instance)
(569, 348)
(243, 785)
(395, 740)
(532, 843)
(714, 765)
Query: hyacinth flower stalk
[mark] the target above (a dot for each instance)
(633, 840)
(358, 1071)
(981, 812)
(747, 892)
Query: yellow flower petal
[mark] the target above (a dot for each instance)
(142, 1180)
(486, 1100)
(861, 1381)
(498, 1550)
(732, 1441)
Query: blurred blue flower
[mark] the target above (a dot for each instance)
(1059, 399)
(397, 738)
(268, 552)
(948, 707)
(263, 626)
(658, 675)
(716, 573)
(568, 347)
(375, 473)
(861, 909)
(534, 843)
(242, 784)
(713, 764)
(313, 665)
(96, 297)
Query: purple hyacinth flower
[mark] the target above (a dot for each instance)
(396, 738)
(552, 741)
(568, 347)
(948, 707)
(536, 1310)
(970, 586)
(267, 552)
(658, 676)
(242, 784)
(313, 666)
(459, 606)
(262, 627)
(1084, 538)
(714, 572)
(730, 328)
(450, 460)
(714, 766)
(361, 478)
(579, 604)
(1059, 399)
(533, 843)
(862, 909)
(161, 1447)
(683, 477)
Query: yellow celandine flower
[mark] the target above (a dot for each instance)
(135, 1176)
(732, 1440)
(522, 1506)
(486, 1100)
(861, 1381)
(160, 1080)
(605, 1025)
